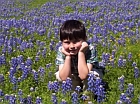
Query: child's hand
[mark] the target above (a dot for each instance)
(65, 52)
(84, 47)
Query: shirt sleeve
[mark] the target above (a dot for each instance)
(60, 58)
(91, 55)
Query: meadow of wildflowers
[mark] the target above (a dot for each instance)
(29, 39)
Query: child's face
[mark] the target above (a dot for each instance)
(72, 46)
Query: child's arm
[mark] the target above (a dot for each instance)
(65, 69)
(83, 67)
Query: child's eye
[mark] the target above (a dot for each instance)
(67, 42)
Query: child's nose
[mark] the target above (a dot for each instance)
(71, 45)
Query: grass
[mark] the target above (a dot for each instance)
(40, 89)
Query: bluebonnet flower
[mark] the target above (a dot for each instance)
(91, 82)
(4, 50)
(63, 102)
(125, 99)
(44, 53)
(20, 93)
(129, 56)
(38, 100)
(105, 57)
(51, 47)
(12, 99)
(38, 42)
(56, 86)
(6, 97)
(2, 59)
(74, 98)
(48, 65)
(102, 63)
(78, 88)
(58, 45)
(100, 92)
(121, 80)
(95, 85)
(112, 62)
(84, 97)
(1, 78)
(121, 61)
(128, 100)
(41, 31)
(20, 59)
(22, 65)
(28, 62)
(134, 64)
(29, 99)
(54, 98)
(42, 44)
(113, 52)
(41, 72)
(10, 49)
(13, 79)
(37, 58)
(50, 85)
(1, 93)
(25, 72)
(36, 75)
(23, 46)
(66, 85)
(53, 86)
(13, 62)
(136, 72)
(130, 90)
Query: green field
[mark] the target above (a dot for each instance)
(29, 38)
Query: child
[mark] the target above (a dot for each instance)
(76, 57)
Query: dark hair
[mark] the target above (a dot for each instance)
(72, 29)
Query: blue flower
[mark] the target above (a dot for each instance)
(121, 80)
(63, 102)
(78, 88)
(2, 59)
(54, 99)
(84, 97)
(29, 99)
(50, 85)
(66, 85)
(130, 90)
(1, 93)
(136, 72)
(12, 99)
(38, 100)
(1, 78)
(35, 75)
(74, 98)
(28, 62)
